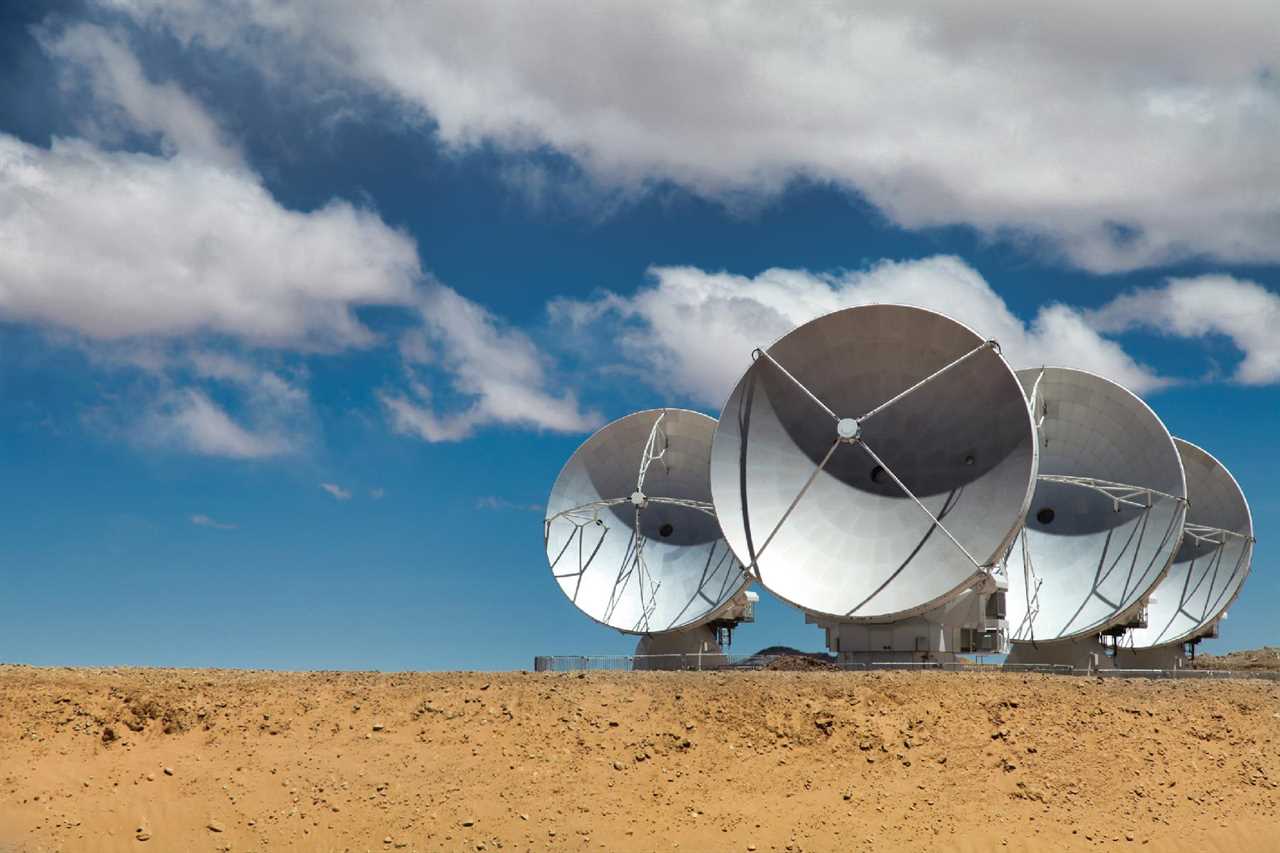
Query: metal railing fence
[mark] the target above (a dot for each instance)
(729, 662)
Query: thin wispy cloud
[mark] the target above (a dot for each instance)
(377, 494)
(202, 520)
(496, 366)
(191, 421)
(337, 491)
(493, 502)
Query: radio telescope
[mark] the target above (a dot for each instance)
(632, 538)
(1105, 521)
(873, 465)
(1209, 570)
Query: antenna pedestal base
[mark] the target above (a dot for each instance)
(972, 624)
(1172, 656)
(694, 648)
(1092, 653)
(1086, 654)
(700, 646)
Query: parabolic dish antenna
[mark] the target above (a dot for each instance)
(1107, 514)
(874, 462)
(630, 531)
(1210, 567)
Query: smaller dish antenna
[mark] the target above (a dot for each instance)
(874, 463)
(1213, 562)
(1107, 514)
(630, 531)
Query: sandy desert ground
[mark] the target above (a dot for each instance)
(128, 759)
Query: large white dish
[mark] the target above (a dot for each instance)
(630, 532)
(1107, 514)
(1213, 562)
(830, 428)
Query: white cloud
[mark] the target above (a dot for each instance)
(114, 244)
(497, 368)
(1111, 131)
(692, 332)
(190, 420)
(101, 60)
(415, 417)
(267, 386)
(163, 395)
(378, 494)
(202, 520)
(337, 491)
(1243, 311)
(149, 258)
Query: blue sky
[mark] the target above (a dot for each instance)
(301, 310)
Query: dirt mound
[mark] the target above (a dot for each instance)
(767, 761)
(787, 659)
(1266, 658)
(800, 663)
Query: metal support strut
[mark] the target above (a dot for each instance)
(1044, 405)
(1031, 588)
(1138, 497)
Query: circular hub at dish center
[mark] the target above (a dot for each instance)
(848, 429)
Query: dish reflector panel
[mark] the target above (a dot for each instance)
(1107, 513)
(1211, 566)
(874, 462)
(630, 531)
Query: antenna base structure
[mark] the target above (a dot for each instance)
(971, 624)
(741, 609)
(700, 647)
(693, 648)
(1173, 656)
(1102, 651)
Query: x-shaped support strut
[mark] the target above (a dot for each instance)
(849, 431)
